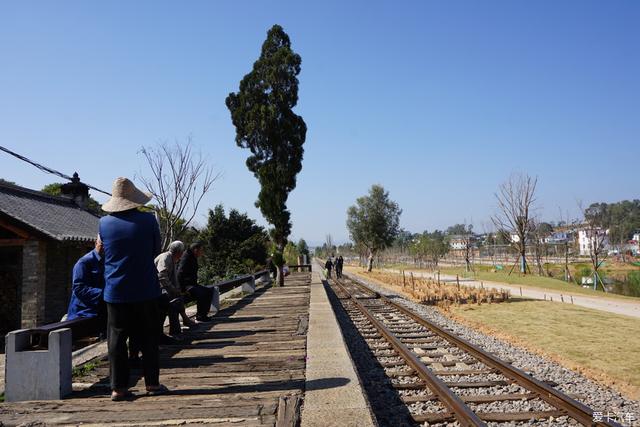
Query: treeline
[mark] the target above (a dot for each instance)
(622, 219)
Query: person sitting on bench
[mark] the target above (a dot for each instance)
(188, 280)
(167, 275)
(88, 286)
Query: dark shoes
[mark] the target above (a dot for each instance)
(204, 319)
(190, 323)
(121, 395)
(157, 390)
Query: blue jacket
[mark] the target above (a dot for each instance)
(87, 288)
(131, 241)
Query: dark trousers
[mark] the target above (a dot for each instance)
(172, 308)
(138, 322)
(203, 297)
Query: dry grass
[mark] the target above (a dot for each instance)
(428, 291)
(601, 345)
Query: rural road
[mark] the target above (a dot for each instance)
(617, 306)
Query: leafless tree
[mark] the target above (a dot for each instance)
(537, 236)
(330, 246)
(468, 241)
(179, 180)
(598, 240)
(516, 203)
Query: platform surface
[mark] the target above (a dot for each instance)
(245, 369)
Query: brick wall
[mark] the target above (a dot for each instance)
(10, 285)
(61, 257)
(34, 261)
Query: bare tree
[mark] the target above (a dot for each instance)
(468, 242)
(179, 180)
(516, 202)
(597, 239)
(329, 242)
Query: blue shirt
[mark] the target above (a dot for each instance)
(87, 288)
(131, 241)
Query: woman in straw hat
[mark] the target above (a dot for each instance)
(131, 241)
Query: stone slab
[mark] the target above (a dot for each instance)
(333, 394)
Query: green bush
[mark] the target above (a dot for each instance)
(582, 271)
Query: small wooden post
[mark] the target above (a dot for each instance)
(561, 298)
(438, 277)
(520, 290)
(571, 299)
(413, 284)
(458, 281)
(404, 281)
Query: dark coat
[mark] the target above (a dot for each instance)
(188, 270)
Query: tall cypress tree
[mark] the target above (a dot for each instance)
(262, 112)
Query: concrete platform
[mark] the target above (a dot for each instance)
(333, 394)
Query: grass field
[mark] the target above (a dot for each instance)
(483, 273)
(602, 345)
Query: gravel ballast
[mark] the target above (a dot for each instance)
(598, 397)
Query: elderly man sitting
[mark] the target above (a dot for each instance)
(88, 286)
(167, 275)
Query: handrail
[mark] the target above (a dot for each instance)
(227, 285)
(81, 327)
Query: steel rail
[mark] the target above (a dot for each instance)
(459, 409)
(574, 409)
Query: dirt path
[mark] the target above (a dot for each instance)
(627, 308)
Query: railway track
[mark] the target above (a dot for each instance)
(444, 379)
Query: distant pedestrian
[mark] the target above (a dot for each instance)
(131, 241)
(339, 264)
(328, 266)
(88, 286)
(188, 279)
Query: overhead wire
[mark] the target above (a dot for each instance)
(47, 169)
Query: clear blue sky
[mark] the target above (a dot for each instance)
(437, 101)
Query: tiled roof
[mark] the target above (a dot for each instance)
(57, 217)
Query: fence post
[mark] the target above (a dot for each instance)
(520, 290)
(458, 281)
(404, 280)
(438, 277)
(250, 286)
(413, 284)
(561, 298)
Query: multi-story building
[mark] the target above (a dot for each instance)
(592, 238)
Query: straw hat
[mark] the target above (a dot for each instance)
(125, 196)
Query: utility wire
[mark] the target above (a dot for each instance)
(47, 169)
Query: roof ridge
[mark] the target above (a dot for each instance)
(36, 193)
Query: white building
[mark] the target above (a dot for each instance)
(557, 237)
(587, 239)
